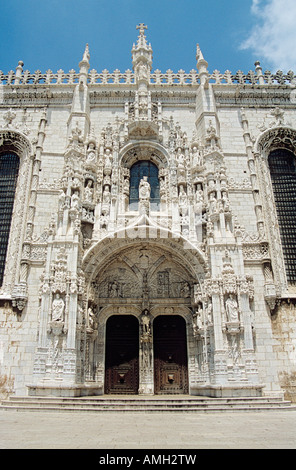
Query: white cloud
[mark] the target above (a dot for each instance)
(273, 36)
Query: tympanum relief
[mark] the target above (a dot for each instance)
(131, 276)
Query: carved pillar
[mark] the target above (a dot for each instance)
(253, 175)
(19, 294)
(146, 379)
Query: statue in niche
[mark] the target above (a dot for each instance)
(225, 202)
(58, 307)
(91, 155)
(196, 158)
(106, 201)
(231, 309)
(183, 202)
(144, 189)
(180, 160)
(213, 203)
(198, 201)
(142, 72)
(88, 191)
(75, 200)
(108, 162)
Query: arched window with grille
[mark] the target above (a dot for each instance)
(9, 168)
(282, 165)
(137, 171)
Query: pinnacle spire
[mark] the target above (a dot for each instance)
(142, 51)
(199, 56)
(201, 65)
(83, 67)
(86, 55)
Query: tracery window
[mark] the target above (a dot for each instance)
(137, 171)
(9, 167)
(282, 165)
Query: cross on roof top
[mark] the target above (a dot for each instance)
(142, 28)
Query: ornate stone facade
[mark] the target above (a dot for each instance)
(208, 251)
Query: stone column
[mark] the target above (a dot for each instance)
(146, 380)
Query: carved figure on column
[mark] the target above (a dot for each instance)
(210, 313)
(91, 154)
(144, 189)
(183, 201)
(213, 203)
(88, 192)
(198, 320)
(108, 162)
(196, 157)
(106, 201)
(198, 202)
(58, 307)
(75, 200)
(144, 195)
(146, 324)
(142, 71)
(231, 309)
(225, 202)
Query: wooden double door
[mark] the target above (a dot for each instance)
(169, 352)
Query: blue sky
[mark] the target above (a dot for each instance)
(232, 34)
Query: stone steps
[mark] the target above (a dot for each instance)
(145, 404)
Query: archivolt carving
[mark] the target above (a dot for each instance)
(278, 137)
(110, 248)
(143, 151)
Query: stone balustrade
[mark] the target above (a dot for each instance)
(156, 77)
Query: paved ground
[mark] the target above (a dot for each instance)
(228, 430)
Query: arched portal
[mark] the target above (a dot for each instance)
(145, 278)
(170, 355)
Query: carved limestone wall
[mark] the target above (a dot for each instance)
(284, 331)
(210, 251)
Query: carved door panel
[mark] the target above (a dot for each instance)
(170, 355)
(122, 355)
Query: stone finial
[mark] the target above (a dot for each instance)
(142, 52)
